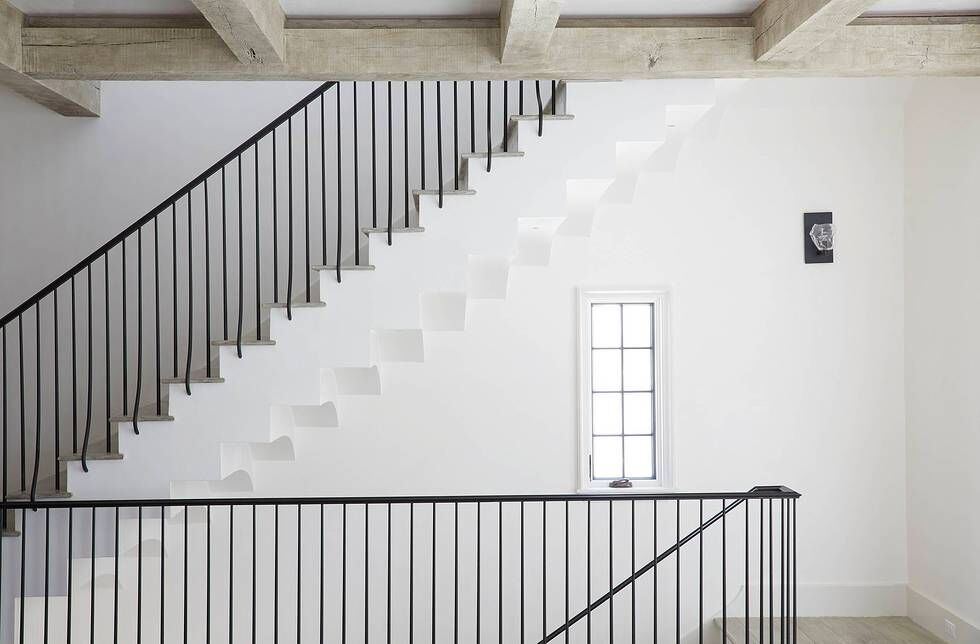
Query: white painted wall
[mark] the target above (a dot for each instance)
(68, 185)
(942, 162)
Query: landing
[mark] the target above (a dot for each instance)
(838, 630)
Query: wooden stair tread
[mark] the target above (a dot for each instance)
(97, 456)
(245, 343)
(394, 230)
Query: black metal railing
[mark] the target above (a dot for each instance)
(99, 345)
(527, 569)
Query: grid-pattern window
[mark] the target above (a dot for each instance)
(622, 388)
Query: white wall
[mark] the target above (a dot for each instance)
(942, 164)
(68, 185)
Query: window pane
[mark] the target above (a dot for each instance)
(637, 369)
(606, 370)
(639, 457)
(607, 457)
(606, 325)
(637, 413)
(607, 413)
(636, 325)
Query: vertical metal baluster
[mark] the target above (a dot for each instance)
(554, 98)
(700, 571)
(184, 621)
(173, 254)
(656, 586)
(241, 261)
(306, 190)
(207, 582)
(139, 330)
(357, 188)
(289, 221)
(677, 554)
(795, 625)
(479, 543)
(88, 404)
(23, 568)
(472, 116)
(163, 592)
(544, 570)
(190, 298)
(340, 184)
(74, 385)
(343, 575)
(47, 563)
(490, 138)
(323, 181)
(258, 249)
(68, 604)
(23, 427)
(520, 98)
(125, 335)
(374, 162)
(632, 571)
(224, 252)
(500, 572)
(367, 568)
(275, 218)
(92, 583)
(406, 147)
(231, 573)
(762, 563)
(537, 92)
(455, 570)
(139, 575)
(254, 573)
(411, 573)
(455, 136)
(422, 131)
(724, 572)
(156, 317)
(566, 572)
(611, 596)
(588, 573)
(523, 631)
(390, 167)
(322, 568)
(782, 569)
(388, 555)
(299, 568)
(747, 565)
(504, 119)
(3, 409)
(439, 136)
(207, 282)
(433, 573)
(115, 581)
(771, 606)
(275, 578)
(108, 361)
(37, 399)
(57, 399)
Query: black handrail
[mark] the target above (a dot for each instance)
(166, 203)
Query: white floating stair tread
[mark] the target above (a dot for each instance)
(359, 267)
(546, 117)
(294, 305)
(25, 495)
(195, 380)
(143, 418)
(245, 343)
(445, 193)
(394, 229)
(98, 456)
(496, 154)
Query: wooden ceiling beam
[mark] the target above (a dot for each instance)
(66, 97)
(252, 29)
(790, 29)
(582, 50)
(526, 27)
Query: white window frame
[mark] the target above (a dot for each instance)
(662, 443)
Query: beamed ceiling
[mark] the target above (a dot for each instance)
(57, 51)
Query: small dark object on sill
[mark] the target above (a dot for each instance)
(621, 483)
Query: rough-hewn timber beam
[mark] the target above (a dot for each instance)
(526, 27)
(252, 29)
(71, 98)
(632, 49)
(790, 29)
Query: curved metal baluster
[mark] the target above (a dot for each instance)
(190, 298)
(537, 91)
(241, 261)
(88, 405)
(139, 326)
(37, 395)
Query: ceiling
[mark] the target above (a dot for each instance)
(423, 8)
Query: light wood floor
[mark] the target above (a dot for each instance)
(838, 630)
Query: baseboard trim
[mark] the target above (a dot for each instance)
(931, 615)
(836, 600)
